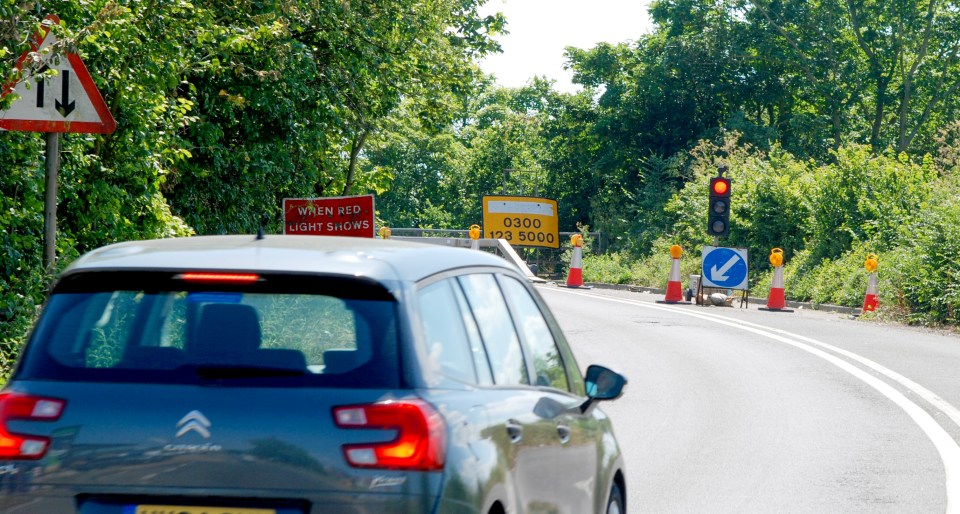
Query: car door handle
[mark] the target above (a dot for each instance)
(564, 432)
(514, 430)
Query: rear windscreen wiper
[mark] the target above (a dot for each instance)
(214, 371)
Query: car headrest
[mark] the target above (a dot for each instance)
(226, 332)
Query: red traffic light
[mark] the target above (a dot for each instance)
(719, 213)
(720, 186)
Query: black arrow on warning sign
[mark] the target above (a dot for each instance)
(40, 88)
(66, 106)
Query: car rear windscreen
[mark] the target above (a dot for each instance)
(243, 329)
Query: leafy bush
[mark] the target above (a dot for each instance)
(926, 271)
(770, 207)
(21, 240)
(840, 281)
(827, 219)
(652, 270)
(635, 215)
(610, 268)
(768, 200)
(865, 197)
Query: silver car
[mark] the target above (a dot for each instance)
(296, 375)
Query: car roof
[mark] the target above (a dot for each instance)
(377, 259)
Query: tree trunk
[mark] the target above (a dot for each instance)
(878, 112)
(355, 148)
(904, 124)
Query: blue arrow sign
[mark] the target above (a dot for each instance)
(725, 267)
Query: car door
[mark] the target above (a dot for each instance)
(527, 438)
(574, 435)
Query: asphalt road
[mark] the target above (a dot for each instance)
(739, 410)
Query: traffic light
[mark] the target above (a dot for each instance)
(719, 215)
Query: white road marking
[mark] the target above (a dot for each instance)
(945, 444)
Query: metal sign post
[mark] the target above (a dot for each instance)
(50, 201)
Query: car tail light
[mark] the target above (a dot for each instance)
(17, 406)
(420, 442)
(220, 278)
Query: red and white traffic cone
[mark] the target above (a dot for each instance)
(674, 287)
(575, 276)
(776, 300)
(870, 301)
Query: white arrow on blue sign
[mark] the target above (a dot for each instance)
(725, 267)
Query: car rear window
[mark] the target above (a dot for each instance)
(227, 328)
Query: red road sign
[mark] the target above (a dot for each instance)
(338, 216)
(67, 102)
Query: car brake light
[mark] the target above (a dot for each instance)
(420, 442)
(17, 406)
(220, 278)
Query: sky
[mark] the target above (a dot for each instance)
(540, 29)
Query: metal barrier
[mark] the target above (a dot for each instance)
(499, 246)
(599, 238)
(540, 262)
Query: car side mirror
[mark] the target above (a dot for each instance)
(602, 384)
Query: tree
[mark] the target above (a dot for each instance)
(222, 110)
(888, 67)
(424, 171)
(294, 91)
(439, 177)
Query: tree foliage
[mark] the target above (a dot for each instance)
(222, 110)
(837, 120)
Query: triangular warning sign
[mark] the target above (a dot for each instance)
(66, 102)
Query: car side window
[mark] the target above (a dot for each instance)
(496, 327)
(477, 350)
(547, 362)
(448, 347)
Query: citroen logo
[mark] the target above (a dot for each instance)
(194, 421)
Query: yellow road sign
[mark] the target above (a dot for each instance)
(522, 220)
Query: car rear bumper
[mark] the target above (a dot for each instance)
(62, 502)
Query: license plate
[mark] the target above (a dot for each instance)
(184, 509)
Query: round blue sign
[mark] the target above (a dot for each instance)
(725, 267)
